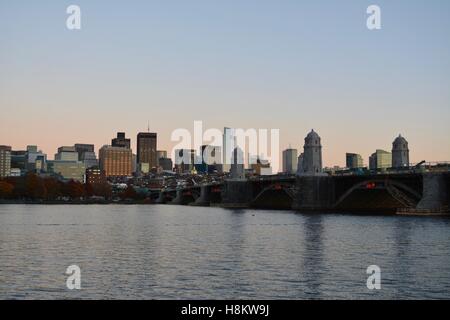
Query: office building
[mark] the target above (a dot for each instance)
(68, 170)
(237, 166)
(66, 164)
(36, 160)
(116, 161)
(121, 141)
(300, 164)
(261, 167)
(67, 154)
(15, 172)
(5, 161)
(161, 154)
(290, 158)
(184, 160)
(380, 159)
(353, 161)
(209, 160)
(86, 154)
(19, 160)
(134, 163)
(146, 149)
(95, 176)
(166, 164)
(143, 168)
(228, 147)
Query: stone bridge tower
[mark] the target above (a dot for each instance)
(312, 155)
(400, 153)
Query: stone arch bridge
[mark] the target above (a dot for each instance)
(382, 193)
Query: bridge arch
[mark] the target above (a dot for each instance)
(404, 194)
(275, 196)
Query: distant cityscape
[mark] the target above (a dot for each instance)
(117, 165)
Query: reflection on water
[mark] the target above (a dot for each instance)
(313, 257)
(164, 252)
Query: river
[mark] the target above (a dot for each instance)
(181, 252)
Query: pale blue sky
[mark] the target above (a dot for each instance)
(292, 65)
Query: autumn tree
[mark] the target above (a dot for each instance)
(75, 189)
(6, 190)
(34, 186)
(102, 190)
(53, 187)
(129, 193)
(88, 190)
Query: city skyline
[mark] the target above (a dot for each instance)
(291, 67)
(122, 141)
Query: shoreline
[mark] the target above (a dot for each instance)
(143, 203)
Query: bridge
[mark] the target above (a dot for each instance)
(381, 193)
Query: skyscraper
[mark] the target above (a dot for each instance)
(237, 165)
(227, 148)
(146, 149)
(300, 164)
(290, 159)
(121, 141)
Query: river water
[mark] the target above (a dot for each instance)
(180, 252)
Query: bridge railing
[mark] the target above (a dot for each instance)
(441, 166)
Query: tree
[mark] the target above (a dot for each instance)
(75, 189)
(53, 188)
(35, 188)
(88, 190)
(103, 190)
(129, 193)
(6, 190)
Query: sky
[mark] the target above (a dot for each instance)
(285, 64)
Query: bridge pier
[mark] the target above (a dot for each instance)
(435, 193)
(204, 199)
(178, 200)
(161, 198)
(314, 193)
(237, 193)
